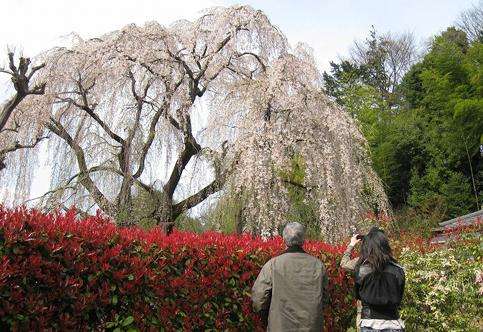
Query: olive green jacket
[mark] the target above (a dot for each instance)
(346, 262)
(291, 287)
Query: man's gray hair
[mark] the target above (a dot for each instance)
(294, 234)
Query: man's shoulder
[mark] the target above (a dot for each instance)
(270, 261)
(299, 255)
(315, 259)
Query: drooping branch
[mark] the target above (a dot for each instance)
(196, 199)
(18, 146)
(91, 170)
(51, 192)
(85, 179)
(90, 110)
(264, 67)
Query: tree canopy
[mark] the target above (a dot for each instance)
(179, 113)
(426, 142)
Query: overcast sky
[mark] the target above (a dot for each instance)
(329, 27)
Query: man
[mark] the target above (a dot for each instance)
(291, 287)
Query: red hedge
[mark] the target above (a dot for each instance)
(60, 273)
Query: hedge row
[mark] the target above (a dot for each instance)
(444, 288)
(60, 273)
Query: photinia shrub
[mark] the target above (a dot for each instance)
(61, 273)
(444, 287)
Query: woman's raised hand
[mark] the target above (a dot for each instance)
(354, 240)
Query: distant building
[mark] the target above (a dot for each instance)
(443, 233)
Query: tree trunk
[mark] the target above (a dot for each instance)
(167, 227)
(472, 176)
(124, 215)
(164, 215)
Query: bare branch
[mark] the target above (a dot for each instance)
(85, 179)
(50, 192)
(196, 199)
(264, 67)
(90, 110)
(18, 146)
(21, 81)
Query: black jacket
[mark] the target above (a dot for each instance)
(380, 292)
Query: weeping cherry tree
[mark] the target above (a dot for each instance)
(218, 105)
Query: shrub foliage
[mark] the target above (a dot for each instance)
(444, 288)
(60, 273)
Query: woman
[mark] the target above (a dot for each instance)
(379, 282)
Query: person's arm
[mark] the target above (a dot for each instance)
(346, 262)
(262, 289)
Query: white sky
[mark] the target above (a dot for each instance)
(329, 27)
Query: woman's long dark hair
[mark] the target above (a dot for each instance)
(375, 250)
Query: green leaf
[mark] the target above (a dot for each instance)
(110, 325)
(155, 321)
(130, 277)
(20, 317)
(114, 299)
(128, 321)
(117, 329)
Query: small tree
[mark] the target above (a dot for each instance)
(383, 60)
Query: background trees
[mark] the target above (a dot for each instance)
(471, 22)
(148, 122)
(425, 131)
(446, 94)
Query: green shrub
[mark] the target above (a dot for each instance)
(444, 288)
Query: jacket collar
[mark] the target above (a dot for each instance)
(294, 249)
